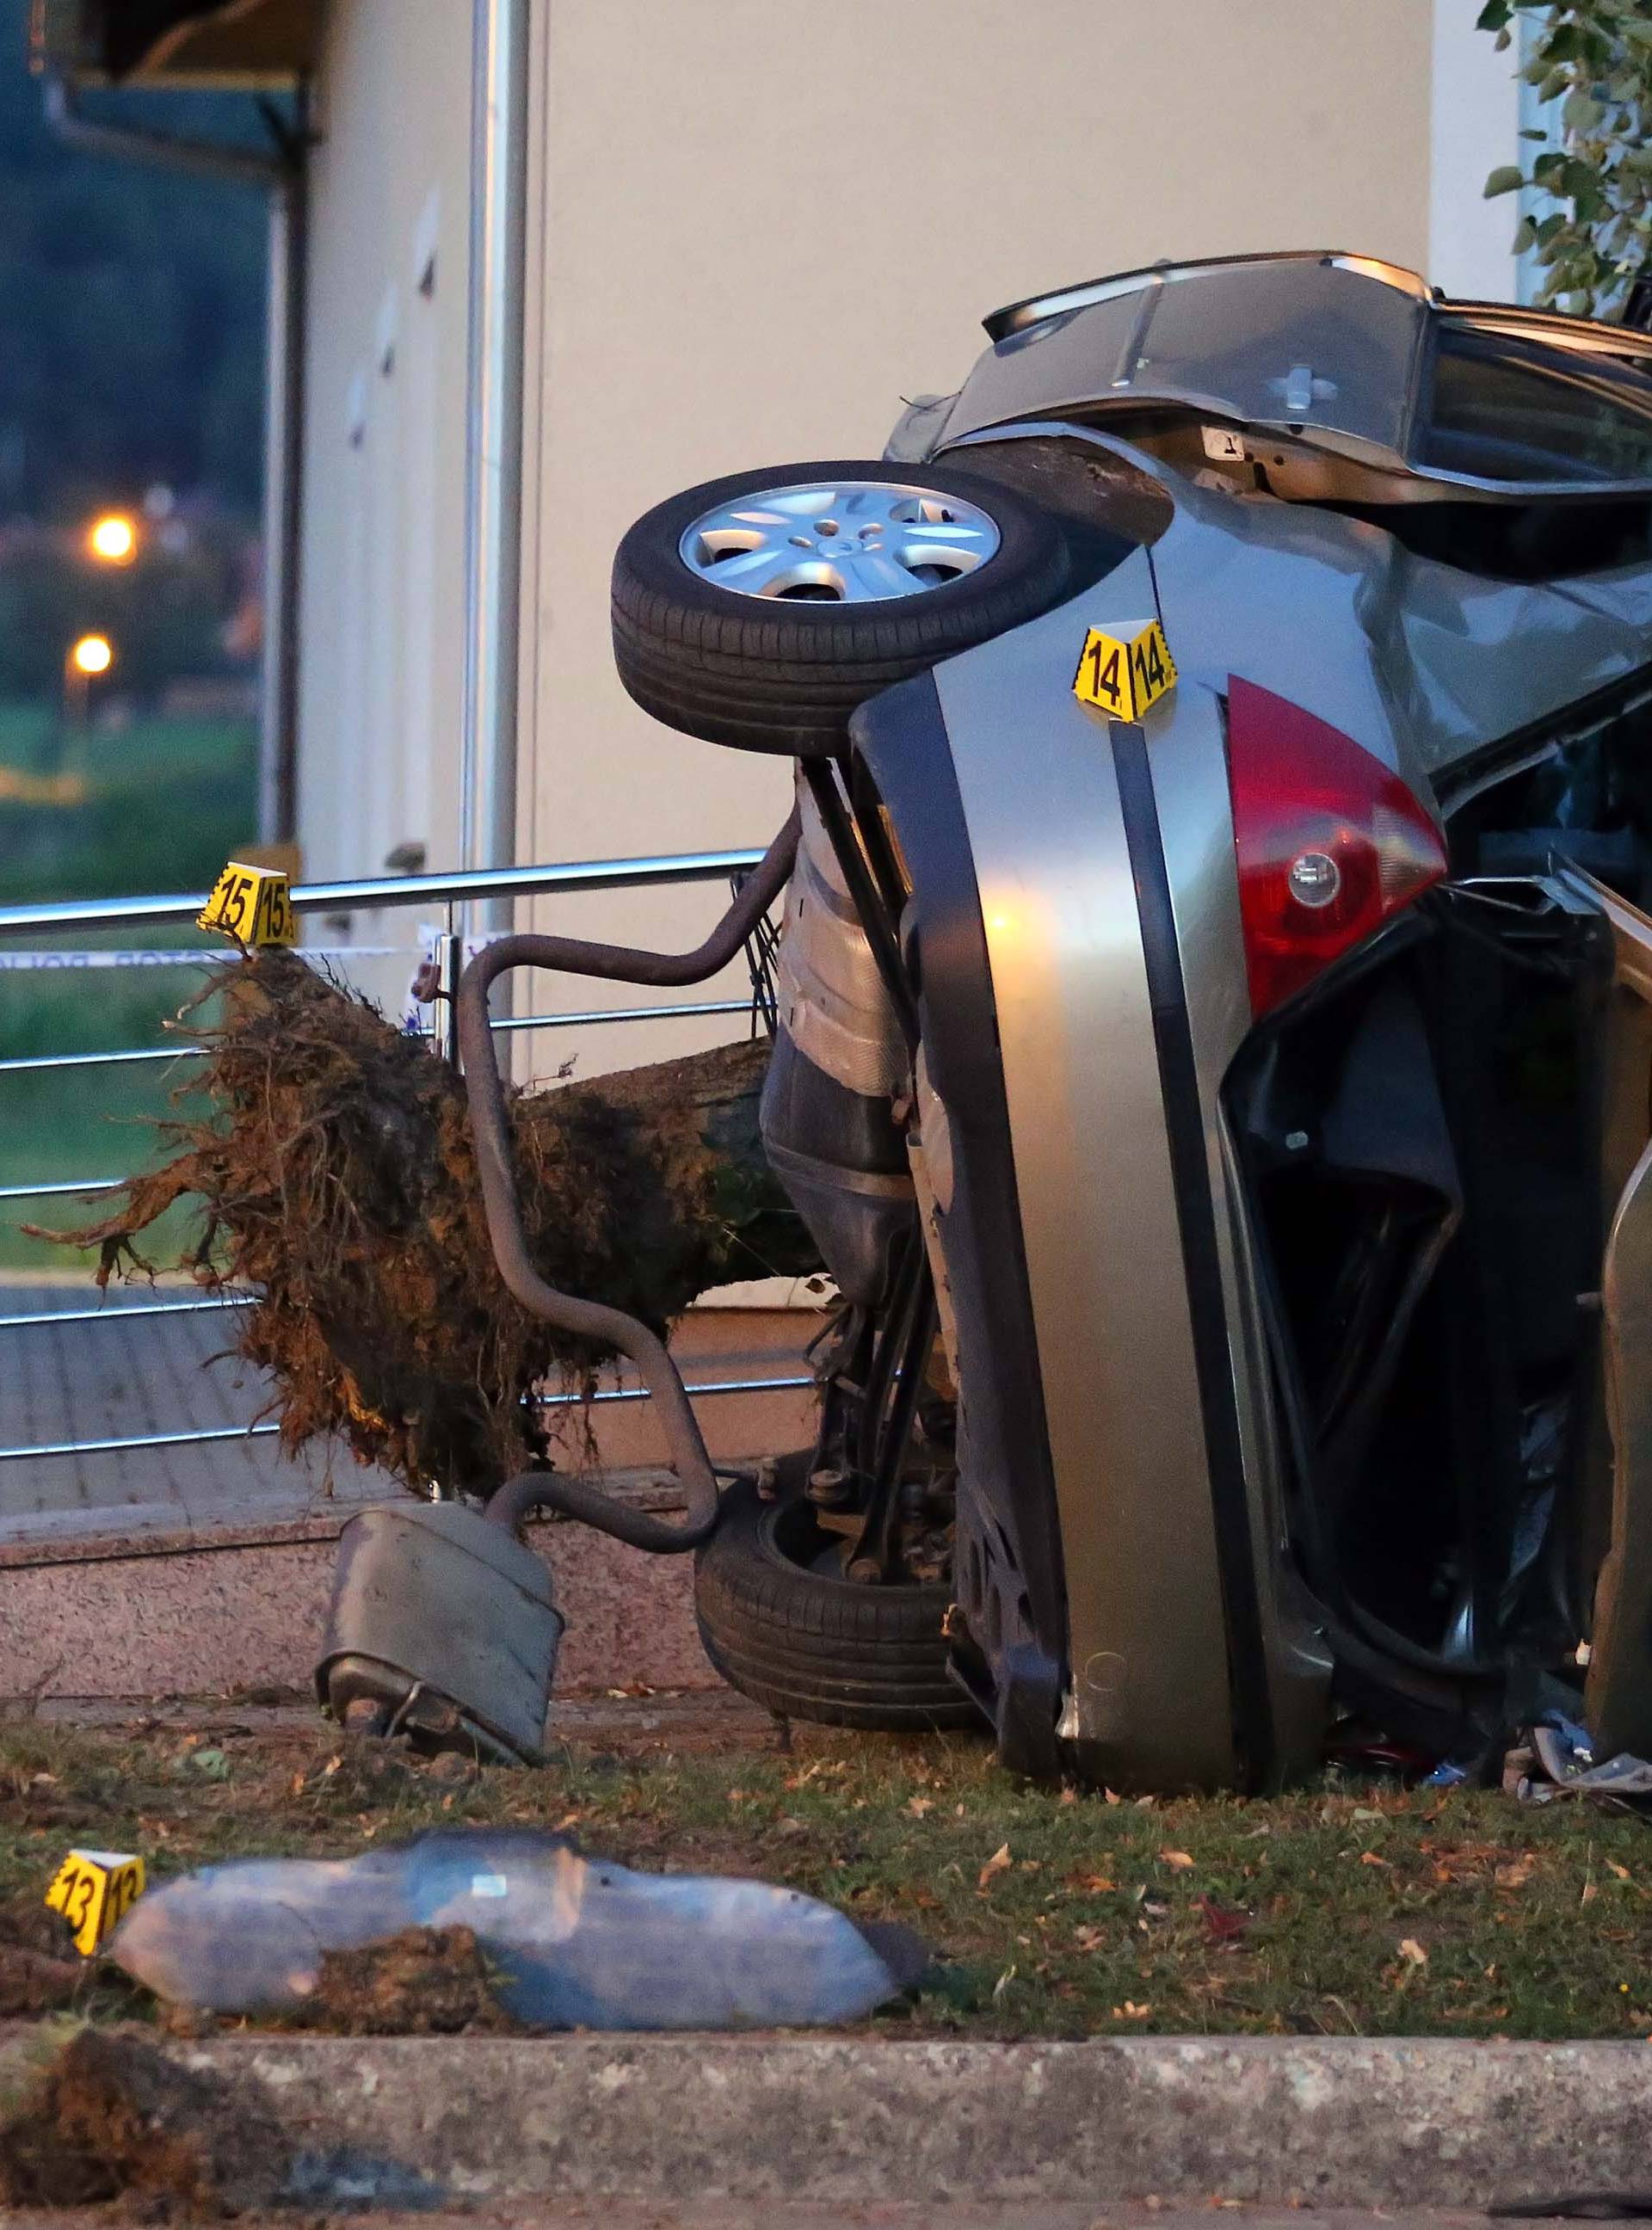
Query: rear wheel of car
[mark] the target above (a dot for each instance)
(760, 610)
(782, 1625)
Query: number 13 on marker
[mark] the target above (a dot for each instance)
(1122, 675)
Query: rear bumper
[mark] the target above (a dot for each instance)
(1101, 884)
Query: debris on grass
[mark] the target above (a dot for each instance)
(110, 2117)
(337, 1183)
(1276, 1928)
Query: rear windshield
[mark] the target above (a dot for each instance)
(1503, 408)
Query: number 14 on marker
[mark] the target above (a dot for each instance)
(1123, 673)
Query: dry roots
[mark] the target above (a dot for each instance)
(339, 1186)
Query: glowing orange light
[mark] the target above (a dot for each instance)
(92, 654)
(113, 539)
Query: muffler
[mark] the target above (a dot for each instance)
(443, 1627)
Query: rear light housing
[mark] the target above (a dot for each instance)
(1330, 843)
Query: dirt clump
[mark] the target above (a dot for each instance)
(111, 2117)
(333, 1163)
(424, 1982)
(40, 1972)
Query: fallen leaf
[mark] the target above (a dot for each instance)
(1003, 1983)
(1069, 1796)
(1223, 1924)
(1612, 1867)
(1370, 1858)
(999, 1863)
(1181, 1860)
(1590, 1891)
(1131, 2011)
(919, 1804)
(1412, 1951)
(1515, 1875)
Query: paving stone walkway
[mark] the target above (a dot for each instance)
(135, 1368)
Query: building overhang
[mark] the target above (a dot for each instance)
(199, 45)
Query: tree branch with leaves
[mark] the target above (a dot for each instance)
(1594, 58)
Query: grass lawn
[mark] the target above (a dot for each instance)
(1346, 1909)
(169, 801)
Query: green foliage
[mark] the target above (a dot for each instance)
(1594, 58)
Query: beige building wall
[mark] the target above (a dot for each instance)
(752, 228)
(755, 227)
(381, 620)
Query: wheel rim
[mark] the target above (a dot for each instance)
(841, 542)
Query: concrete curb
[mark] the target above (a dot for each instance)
(1328, 2122)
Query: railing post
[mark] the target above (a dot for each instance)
(450, 963)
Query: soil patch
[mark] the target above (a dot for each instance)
(109, 2118)
(426, 1981)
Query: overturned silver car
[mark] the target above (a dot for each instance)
(1215, 1055)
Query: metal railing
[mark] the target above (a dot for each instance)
(450, 892)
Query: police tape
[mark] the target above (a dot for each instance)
(24, 963)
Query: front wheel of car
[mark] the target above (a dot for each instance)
(783, 1625)
(760, 610)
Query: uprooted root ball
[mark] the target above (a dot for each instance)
(338, 1185)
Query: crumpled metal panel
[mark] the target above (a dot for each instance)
(431, 1600)
(1420, 663)
(829, 994)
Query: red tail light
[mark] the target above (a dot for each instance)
(1330, 845)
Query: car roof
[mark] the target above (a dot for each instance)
(1329, 347)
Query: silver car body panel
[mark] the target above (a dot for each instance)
(1420, 663)
(1424, 667)
(1328, 348)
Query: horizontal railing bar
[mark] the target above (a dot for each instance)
(22, 1061)
(623, 1015)
(646, 873)
(122, 1314)
(694, 1393)
(200, 1434)
(253, 1431)
(79, 1184)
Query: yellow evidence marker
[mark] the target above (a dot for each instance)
(252, 905)
(1122, 675)
(95, 1891)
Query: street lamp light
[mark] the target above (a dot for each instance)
(88, 655)
(113, 540)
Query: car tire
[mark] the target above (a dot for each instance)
(807, 1643)
(782, 667)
